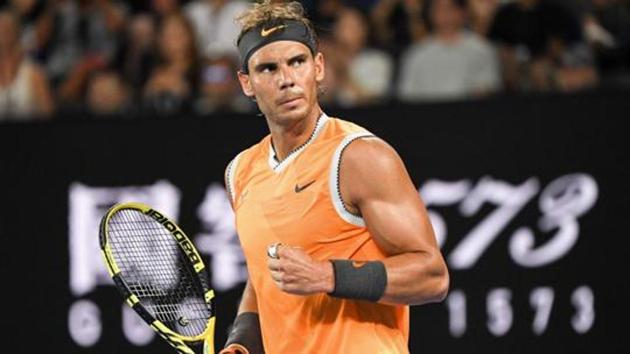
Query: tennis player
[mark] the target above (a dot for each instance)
(336, 238)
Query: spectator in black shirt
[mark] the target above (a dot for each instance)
(542, 47)
(172, 85)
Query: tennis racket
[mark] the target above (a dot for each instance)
(160, 275)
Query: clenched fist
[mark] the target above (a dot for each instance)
(234, 349)
(295, 272)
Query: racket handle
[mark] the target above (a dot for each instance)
(184, 350)
(208, 346)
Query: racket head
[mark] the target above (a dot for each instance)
(159, 273)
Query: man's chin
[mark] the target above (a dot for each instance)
(294, 111)
(295, 105)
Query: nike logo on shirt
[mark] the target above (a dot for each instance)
(298, 189)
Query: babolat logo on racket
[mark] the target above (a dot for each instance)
(179, 235)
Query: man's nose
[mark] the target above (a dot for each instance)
(285, 77)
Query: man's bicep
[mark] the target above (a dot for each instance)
(375, 181)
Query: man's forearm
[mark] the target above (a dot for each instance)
(412, 278)
(415, 278)
(245, 335)
(248, 301)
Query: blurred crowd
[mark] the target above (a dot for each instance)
(92, 58)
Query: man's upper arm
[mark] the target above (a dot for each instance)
(374, 183)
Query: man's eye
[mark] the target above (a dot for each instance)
(267, 69)
(298, 62)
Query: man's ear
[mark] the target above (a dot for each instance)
(319, 67)
(246, 84)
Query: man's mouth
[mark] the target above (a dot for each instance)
(289, 100)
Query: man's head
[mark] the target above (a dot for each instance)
(107, 93)
(447, 15)
(164, 7)
(351, 30)
(176, 38)
(281, 66)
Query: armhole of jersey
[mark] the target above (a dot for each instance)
(230, 173)
(333, 180)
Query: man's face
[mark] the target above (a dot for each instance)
(283, 77)
(447, 15)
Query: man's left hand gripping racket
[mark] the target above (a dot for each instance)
(160, 275)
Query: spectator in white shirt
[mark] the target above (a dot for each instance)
(452, 63)
(215, 26)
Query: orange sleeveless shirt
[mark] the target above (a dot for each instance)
(297, 202)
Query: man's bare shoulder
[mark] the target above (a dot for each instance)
(369, 154)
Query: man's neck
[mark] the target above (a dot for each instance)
(450, 36)
(286, 138)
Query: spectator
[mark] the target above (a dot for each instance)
(215, 27)
(398, 23)
(24, 90)
(164, 8)
(171, 88)
(86, 38)
(542, 47)
(481, 15)
(323, 13)
(219, 88)
(30, 14)
(107, 94)
(363, 74)
(452, 63)
(137, 56)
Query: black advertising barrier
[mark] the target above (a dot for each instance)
(528, 197)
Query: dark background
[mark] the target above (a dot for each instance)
(511, 140)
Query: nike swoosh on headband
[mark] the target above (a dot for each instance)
(266, 32)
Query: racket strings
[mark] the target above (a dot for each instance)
(157, 271)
